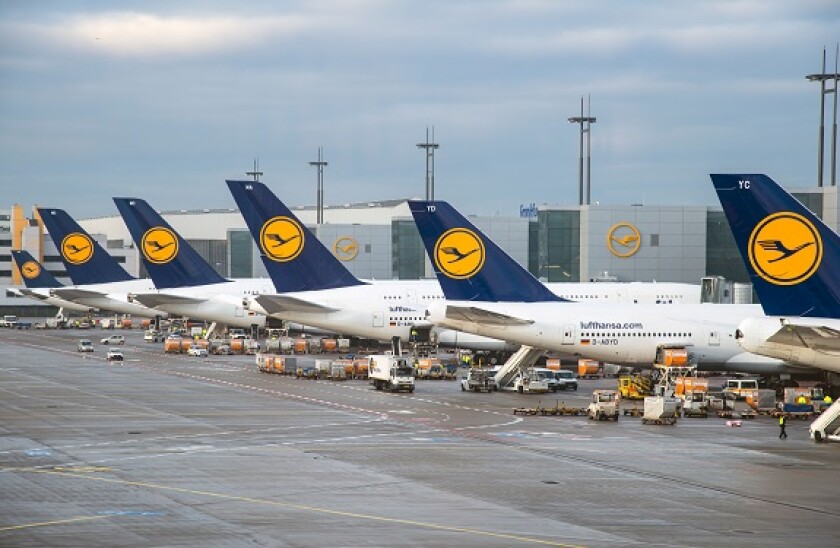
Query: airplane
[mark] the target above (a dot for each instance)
(186, 285)
(38, 282)
(99, 280)
(489, 294)
(792, 257)
(314, 288)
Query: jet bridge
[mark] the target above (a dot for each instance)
(827, 425)
(523, 358)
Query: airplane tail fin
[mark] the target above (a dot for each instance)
(295, 259)
(170, 260)
(791, 255)
(84, 258)
(34, 275)
(468, 265)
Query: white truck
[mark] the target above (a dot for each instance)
(534, 381)
(388, 372)
(9, 321)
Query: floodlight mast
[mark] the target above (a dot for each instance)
(585, 127)
(430, 147)
(319, 205)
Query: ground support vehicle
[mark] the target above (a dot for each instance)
(827, 426)
(337, 372)
(694, 404)
(660, 410)
(565, 380)
(801, 411)
(153, 336)
(634, 387)
(388, 372)
(606, 404)
(763, 401)
(633, 411)
(531, 381)
(560, 410)
(478, 380)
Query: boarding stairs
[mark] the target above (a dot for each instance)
(523, 358)
(827, 426)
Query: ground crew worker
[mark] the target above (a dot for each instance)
(801, 400)
(827, 399)
(413, 335)
(782, 424)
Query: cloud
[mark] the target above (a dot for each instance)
(131, 34)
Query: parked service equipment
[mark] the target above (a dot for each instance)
(478, 380)
(605, 405)
(589, 369)
(827, 425)
(532, 381)
(388, 372)
(660, 410)
(634, 387)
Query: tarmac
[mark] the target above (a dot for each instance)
(170, 450)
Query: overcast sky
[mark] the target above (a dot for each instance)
(165, 100)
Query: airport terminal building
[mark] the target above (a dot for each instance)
(378, 240)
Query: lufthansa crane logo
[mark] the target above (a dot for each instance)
(159, 245)
(30, 270)
(459, 253)
(281, 239)
(345, 248)
(77, 248)
(623, 240)
(785, 248)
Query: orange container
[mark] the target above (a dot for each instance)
(125, 324)
(674, 356)
(146, 323)
(361, 368)
(185, 344)
(172, 346)
(237, 346)
(328, 345)
(553, 364)
(301, 346)
(587, 368)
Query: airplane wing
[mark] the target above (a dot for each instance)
(277, 304)
(815, 337)
(153, 300)
(73, 294)
(31, 294)
(480, 315)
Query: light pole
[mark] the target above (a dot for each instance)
(255, 173)
(822, 78)
(585, 127)
(319, 205)
(430, 147)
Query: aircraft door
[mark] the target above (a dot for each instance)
(378, 319)
(568, 334)
(714, 338)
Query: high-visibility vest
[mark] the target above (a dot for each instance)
(781, 420)
(827, 399)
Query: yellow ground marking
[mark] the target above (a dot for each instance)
(54, 522)
(316, 509)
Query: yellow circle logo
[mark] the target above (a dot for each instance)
(785, 248)
(77, 248)
(345, 249)
(30, 270)
(459, 253)
(624, 240)
(159, 245)
(281, 239)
